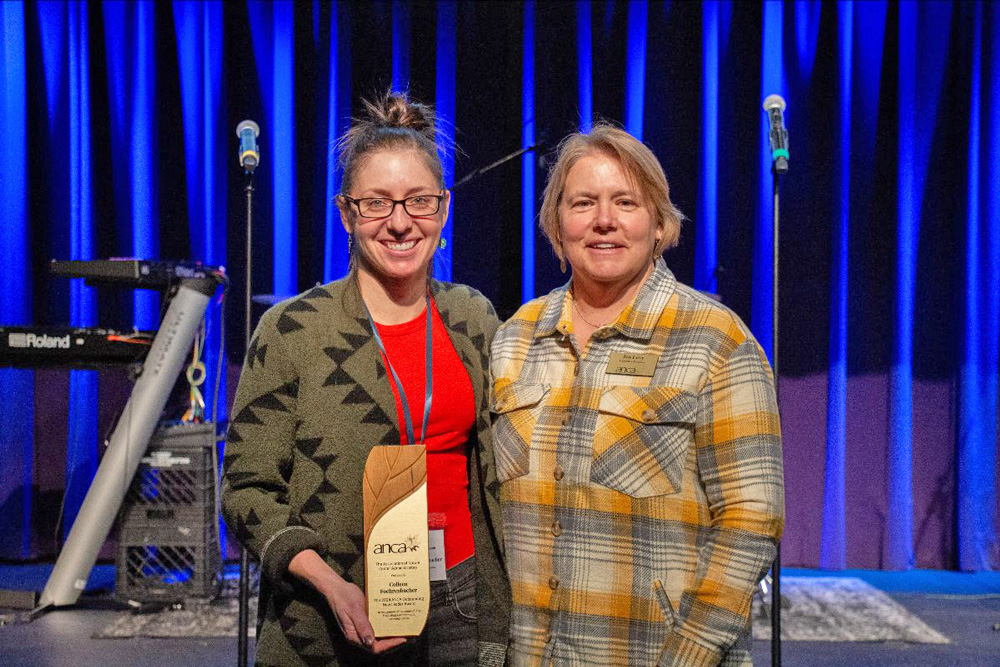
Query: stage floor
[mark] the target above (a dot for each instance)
(964, 607)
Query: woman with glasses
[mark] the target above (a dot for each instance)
(343, 367)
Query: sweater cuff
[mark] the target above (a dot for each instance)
(683, 651)
(281, 548)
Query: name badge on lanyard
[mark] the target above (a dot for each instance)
(437, 522)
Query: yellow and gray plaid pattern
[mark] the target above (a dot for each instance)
(639, 512)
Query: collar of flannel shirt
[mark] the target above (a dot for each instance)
(638, 319)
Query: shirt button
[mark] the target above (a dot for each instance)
(558, 473)
(556, 528)
(648, 415)
(567, 418)
(548, 637)
(553, 582)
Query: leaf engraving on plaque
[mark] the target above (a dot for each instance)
(392, 473)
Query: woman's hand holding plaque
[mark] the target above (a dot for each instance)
(345, 599)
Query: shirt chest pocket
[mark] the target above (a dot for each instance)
(642, 438)
(516, 409)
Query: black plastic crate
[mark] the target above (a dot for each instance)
(178, 468)
(167, 572)
(168, 529)
(165, 517)
(182, 532)
(170, 481)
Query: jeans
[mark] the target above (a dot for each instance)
(450, 635)
(450, 638)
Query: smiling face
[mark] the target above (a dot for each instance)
(399, 247)
(607, 229)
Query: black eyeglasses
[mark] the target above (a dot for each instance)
(382, 207)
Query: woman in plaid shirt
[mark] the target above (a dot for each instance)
(636, 435)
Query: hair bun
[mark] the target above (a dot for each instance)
(392, 122)
(396, 110)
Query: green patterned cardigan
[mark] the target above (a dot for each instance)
(313, 399)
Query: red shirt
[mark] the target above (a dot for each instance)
(452, 419)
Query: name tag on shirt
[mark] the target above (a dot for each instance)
(435, 553)
(630, 363)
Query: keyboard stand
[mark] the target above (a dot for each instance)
(128, 442)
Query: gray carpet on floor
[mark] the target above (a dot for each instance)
(841, 609)
(193, 618)
(218, 618)
(831, 609)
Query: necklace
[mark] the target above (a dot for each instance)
(584, 318)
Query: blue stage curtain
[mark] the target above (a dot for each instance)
(444, 97)
(400, 44)
(65, 44)
(336, 257)
(834, 550)
(585, 63)
(772, 75)
(272, 26)
(706, 236)
(16, 386)
(635, 66)
(529, 160)
(119, 140)
(977, 433)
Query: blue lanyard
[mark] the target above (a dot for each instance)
(429, 383)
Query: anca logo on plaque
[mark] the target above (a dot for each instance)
(397, 548)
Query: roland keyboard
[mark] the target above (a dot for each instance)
(66, 347)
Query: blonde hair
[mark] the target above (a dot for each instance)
(641, 168)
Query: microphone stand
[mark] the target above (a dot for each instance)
(778, 167)
(244, 596)
(774, 105)
(493, 165)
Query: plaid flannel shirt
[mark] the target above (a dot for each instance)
(639, 512)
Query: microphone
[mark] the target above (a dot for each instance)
(248, 131)
(774, 105)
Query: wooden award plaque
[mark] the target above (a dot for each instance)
(397, 576)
